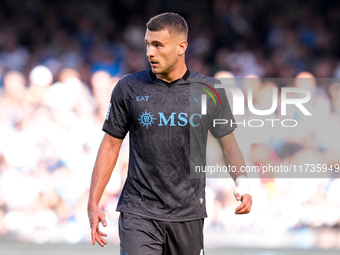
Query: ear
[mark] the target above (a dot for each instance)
(182, 46)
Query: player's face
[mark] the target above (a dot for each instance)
(162, 51)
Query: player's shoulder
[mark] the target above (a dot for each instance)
(131, 80)
(141, 76)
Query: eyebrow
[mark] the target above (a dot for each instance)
(153, 42)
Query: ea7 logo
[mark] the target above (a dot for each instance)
(142, 98)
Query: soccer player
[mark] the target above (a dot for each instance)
(161, 208)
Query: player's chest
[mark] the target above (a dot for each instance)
(159, 106)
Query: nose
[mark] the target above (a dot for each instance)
(149, 52)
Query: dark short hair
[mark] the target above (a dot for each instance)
(170, 21)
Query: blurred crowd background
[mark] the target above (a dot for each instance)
(60, 60)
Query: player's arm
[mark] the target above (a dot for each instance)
(232, 155)
(105, 162)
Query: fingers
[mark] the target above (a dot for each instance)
(94, 228)
(101, 233)
(96, 234)
(243, 210)
(245, 206)
(100, 240)
(238, 197)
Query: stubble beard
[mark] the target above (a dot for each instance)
(166, 70)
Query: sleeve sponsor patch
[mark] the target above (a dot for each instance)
(108, 112)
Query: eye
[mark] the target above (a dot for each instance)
(158, 45)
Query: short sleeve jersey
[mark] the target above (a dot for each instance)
(162, 121)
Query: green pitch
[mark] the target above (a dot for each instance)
(13, 248)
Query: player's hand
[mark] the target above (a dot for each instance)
(246, 202)
(96, 215)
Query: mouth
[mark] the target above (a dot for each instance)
(153, 63)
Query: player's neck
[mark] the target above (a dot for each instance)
(176, 74)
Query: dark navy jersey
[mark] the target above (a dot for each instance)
(168, 135)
